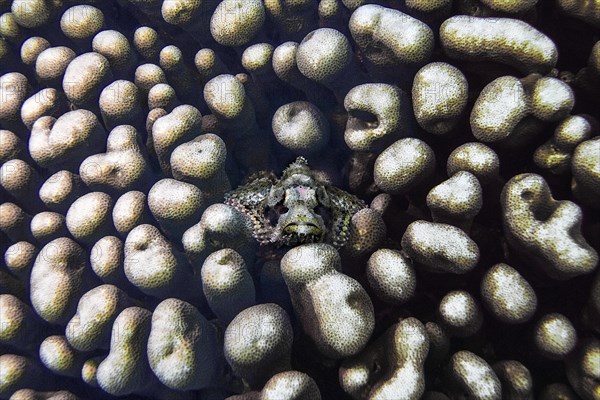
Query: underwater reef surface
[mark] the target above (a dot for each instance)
(299, 199)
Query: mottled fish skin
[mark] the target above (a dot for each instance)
(297, 208)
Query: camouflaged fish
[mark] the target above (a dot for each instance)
(296, 209)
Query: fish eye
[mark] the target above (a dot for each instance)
(323, 212)
(280, 208)
(272, 214)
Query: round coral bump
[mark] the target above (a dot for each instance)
(20, 327)
(15, 223)
(403, 42)
(440, 248)
(226, 97)
(58, 280)
(460, 314)
(60, 190)
(179, 126)
(291, 385)
(21, 181)
(471, 375)
(19, 259)
(209, 64)
(90, 369)
(456, 201)
(15, 89)
(176, 205)
(125, 370)
(51, 64)
(556, 391)
(294, 19)
(476, 158)
(256, 59)
(60, 357)
(555, 336)
(432, 12)
(89, 217)
(11, 30)
(556, 154)
(515, 378)
(32, 13)
(47, 226)
(439, 95)
(378, 114)
(163, 95)
(11, 146)
(81, 22)
(392, 276)
(367, 233)
(48, 101)
(399, 356)
(147, 76)
(301, 127)
(153, 265)
(588, 12)
(499, 109)
(19, 372)
(331, 13)
(180, 75)
(227, 284)
(85, 77)
(30, 394)
(286, 69)
(130, 210)
(106, 260)
(510, 7)
(500, 112)
(326, 57)
(31, 49)
(116, 48)
(237, 22)
(228, 100)
(551, 99)
(89, 329)
(219, 227)
(507, 295)
(404, 165)
(258, 343)
(505, 40)
(320, 257)
(192, 16)
(202, 162)
(334, 309)
(148, 43)
(582, 368)
(585, 166)
(123, 167)
(183, 348)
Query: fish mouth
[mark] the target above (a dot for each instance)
(295, 233)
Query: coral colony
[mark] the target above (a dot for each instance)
(299, 199)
